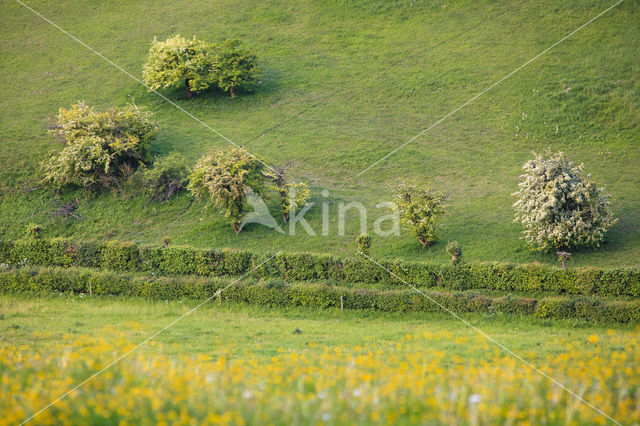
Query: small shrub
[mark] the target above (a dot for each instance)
(167, 177)
(166, 241)
(455, 250)
(420, 209)
(34, 230)
(563, 256)
(292, 195)
(364, 243)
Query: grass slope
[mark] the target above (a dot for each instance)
(344, 83)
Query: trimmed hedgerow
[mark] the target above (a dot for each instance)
(39, 252)
(124, 256)
(117, 255)
(589, 309)
(276, 292)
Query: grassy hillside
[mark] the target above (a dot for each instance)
(344, 82)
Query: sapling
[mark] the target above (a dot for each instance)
(364, 243)
(455, 250)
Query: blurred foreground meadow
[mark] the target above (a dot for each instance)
(368, 384)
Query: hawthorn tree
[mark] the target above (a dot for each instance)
(292, 195)
(225, 177)
(176, 59)
(559, 207)
(101, 147)
(420, 209)
(236, 68)
(200, 65)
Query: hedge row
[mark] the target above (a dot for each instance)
(126, 256)
(278, 293)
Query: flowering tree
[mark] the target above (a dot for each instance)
(101, 147)
(560, 208)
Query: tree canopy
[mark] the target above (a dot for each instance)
(237, 68)
(100, 146)
(178, 58)
(292, 194)
(420, 209)
(199, 64)
(224, 177)
(559, 207)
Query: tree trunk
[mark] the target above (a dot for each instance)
(236, 228)
(233, 93)
(283, 203)
(423, 242)
(563, 256)
(189, 92)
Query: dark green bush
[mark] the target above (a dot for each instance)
(168, 176)
(87, 253)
